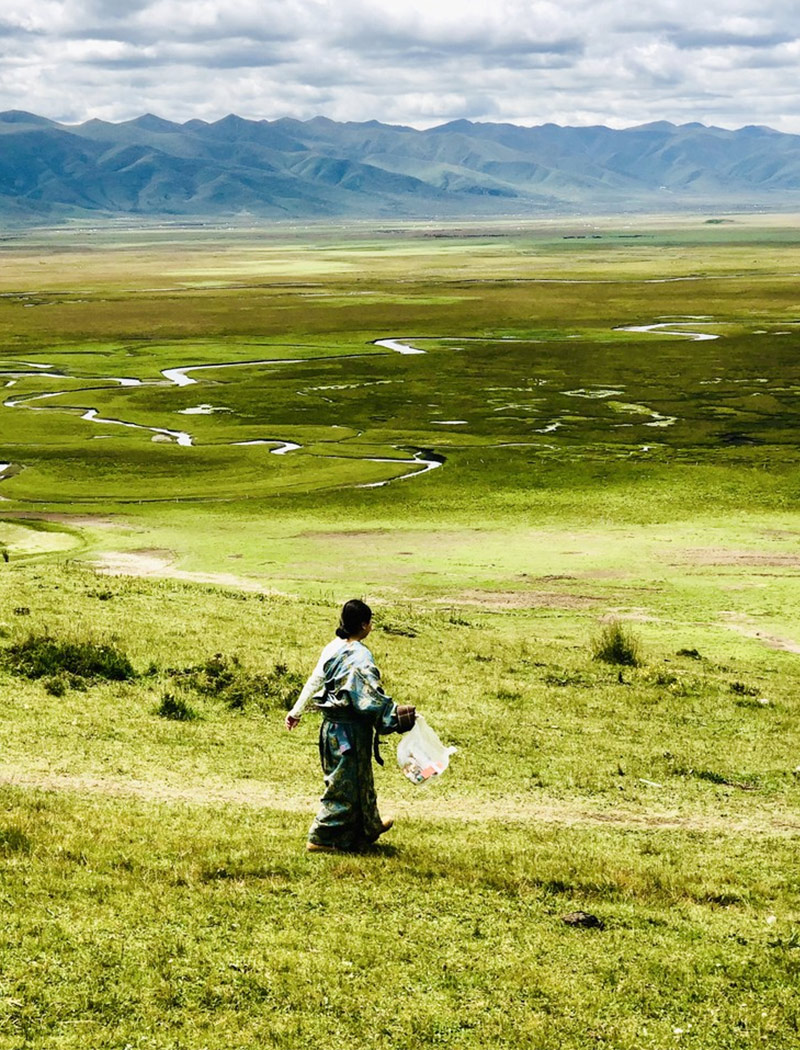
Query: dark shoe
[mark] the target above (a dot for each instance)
(384, 827)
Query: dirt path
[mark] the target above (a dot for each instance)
(430, 805)
(157, 563)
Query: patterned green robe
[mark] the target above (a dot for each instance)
(354, 707)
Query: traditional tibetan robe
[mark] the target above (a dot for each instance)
(355, 709)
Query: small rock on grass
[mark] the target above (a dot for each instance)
(583, 918)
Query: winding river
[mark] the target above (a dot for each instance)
(179, 376)
(183, 375)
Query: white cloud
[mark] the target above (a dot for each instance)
(617, 62)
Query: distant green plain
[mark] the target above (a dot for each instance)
(154, 868)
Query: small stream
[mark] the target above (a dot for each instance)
(180, 436)
(669, 328)
(281, 450)
(398, 347)
(179, 376)
(419, 458)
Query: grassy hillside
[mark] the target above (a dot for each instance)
(161, 603)
(161, 896)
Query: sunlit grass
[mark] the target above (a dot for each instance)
(151, 843)
(226, 927)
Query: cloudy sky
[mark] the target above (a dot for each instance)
(418, 62)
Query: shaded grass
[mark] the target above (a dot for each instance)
(40, 656)
(176, 708)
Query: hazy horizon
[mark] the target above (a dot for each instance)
(373, 120)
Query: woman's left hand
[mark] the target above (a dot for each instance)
(291, 722)
(406, 717)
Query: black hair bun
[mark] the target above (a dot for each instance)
(355, 614)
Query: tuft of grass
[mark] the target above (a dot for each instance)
(404, 630)
(284, 685)
(176, 708)
(224, 678)
(664, 678)
(57, 685)
(508, 694)
(102, 596)
(41, 656)
(616, 644)
(711, 776)
(741, 689)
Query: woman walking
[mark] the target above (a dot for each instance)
(355, 710)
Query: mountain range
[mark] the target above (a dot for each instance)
(319, 168)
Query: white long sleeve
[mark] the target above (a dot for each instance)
(316, 680)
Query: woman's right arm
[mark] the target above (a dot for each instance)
(315, 682)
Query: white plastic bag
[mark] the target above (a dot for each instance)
(421, 754)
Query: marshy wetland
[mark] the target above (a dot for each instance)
(503, 437)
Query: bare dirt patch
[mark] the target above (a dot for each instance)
(600, 574)
(634, 615)
(77, 520)
(344, 534)
(782, 534)
(145, 561)
(522, 600)
(745, 627)
(743, 558)
(159, 563)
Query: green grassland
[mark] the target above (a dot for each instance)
(151, 837)
(157, 894)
